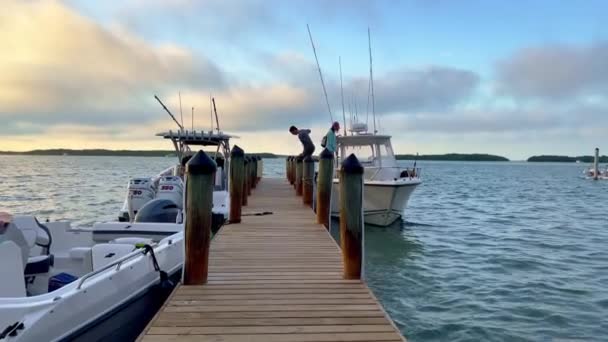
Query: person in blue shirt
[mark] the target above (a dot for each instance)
(330, 141)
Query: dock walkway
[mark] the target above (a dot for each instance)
(272, 278)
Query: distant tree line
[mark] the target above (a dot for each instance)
(566, 159)
(453, 157)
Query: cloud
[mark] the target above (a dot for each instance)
(259, 108)
(555, 71)
(57, 65)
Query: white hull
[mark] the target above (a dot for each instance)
(383, 202)
(59, 314)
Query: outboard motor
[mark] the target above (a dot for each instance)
(158, 210)
(171, 188)
(139, 192)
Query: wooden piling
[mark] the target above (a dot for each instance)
(200, 172)
(299, 174)
(351, 216)
(254, 171)
(237, 180)
(245, 181)
(248, 168)
(308, 175)
(324, 186)
(260, 169)
(287, 175)
(292, 176)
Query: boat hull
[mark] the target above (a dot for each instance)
(383, 202)
(84, 314)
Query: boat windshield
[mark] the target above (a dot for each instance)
(372, 151)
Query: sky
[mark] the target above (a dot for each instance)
(510, 78)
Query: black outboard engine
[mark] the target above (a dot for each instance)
(158, 210)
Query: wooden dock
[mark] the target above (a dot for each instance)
(275, 277)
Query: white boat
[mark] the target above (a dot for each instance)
(63, 283)
(594, 172)
(103, 282)
(166, 189)
(388, 186)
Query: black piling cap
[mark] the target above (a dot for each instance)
(326, 154)
(259, 157)
(309, 159)
(299, 159)
(201, 164)
(246, 159)
(351, 165)
(290, 158)
(237, 152)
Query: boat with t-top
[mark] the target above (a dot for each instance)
(387, 186)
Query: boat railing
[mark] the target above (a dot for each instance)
(116, 263)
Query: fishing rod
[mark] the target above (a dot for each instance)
(169, 112)
(180, 107)
(217, 122)
(342, 94)
(193, 119)
(371, 77)
(320, 73)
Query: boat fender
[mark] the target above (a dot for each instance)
(165, 282)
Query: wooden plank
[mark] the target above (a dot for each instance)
(274, 278)
(321, 337)
(175, 320)
(292, 329)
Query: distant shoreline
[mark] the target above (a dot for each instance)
(565, 159)
(472, 157)
(163, 153)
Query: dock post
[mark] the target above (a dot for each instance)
(248, 168)
(324, 186)
(237, 179)
(299, 169)
(199, 201)
(351, 216)
(254, 171)
(287, 175)
(260, 169)
(245, 181)
(292, 178)
(596, 162)
(308, 175)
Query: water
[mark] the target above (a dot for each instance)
(488, 251)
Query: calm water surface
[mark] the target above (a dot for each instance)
(488, 251)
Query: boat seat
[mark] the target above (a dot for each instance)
(12, 284)
(38, 265)
(83, 257)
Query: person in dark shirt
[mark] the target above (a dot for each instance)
(303, 135)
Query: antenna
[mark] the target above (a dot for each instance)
(342, 94)
(167, 110)
(210, 112)
(371, 77)
(320, 73)
(217, 123)
(180, 107)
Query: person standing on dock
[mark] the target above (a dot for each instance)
(303, 135)
(329, 140)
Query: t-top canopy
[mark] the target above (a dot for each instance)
(208, 138)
